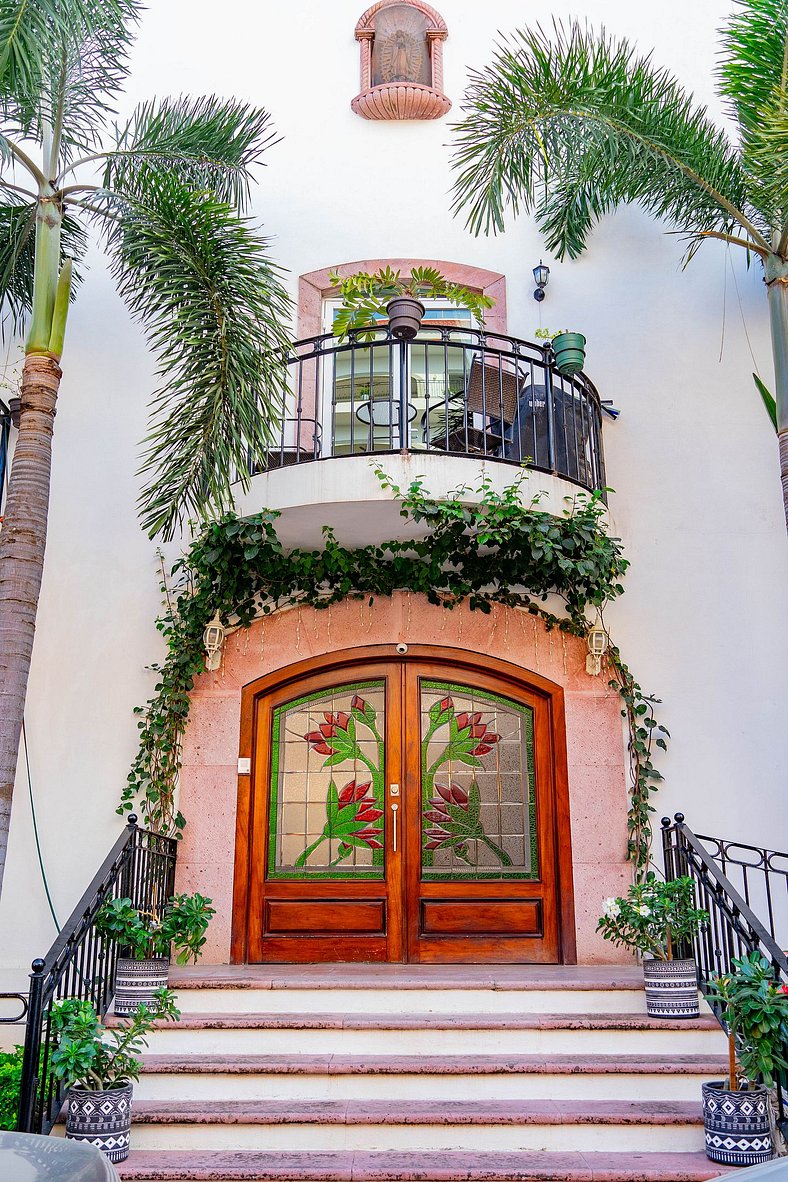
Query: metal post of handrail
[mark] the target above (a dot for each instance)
(404, 421)
(28, 1086)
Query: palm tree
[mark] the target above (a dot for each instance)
(167, 198)
(571, 124)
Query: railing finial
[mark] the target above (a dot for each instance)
(132, 821)
(665, 822)
(678, 818)
(38, 965)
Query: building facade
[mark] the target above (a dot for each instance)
(361, 178)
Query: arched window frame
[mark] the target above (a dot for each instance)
(402, 100)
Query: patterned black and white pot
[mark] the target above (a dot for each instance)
(737, 1127)
(671, 988)
(137, 981)
(102, 1119)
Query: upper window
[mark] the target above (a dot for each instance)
(401, 45)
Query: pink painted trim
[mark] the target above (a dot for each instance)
(315, 286)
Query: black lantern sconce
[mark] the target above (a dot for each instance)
(541, 276)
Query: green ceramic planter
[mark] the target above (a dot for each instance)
(570, 352)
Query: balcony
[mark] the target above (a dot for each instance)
(452, 395)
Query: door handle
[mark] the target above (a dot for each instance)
(394, 811)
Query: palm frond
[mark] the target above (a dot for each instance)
(17, 258)
(753, 59)
(62, 55)
(753, 77)
(573, 124)
(208, 142)
(214, 308)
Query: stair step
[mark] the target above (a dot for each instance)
(389, 976)
(249, 1166)
(422, 1077)
(429, 1020)
(438, 1033)
(435, 1064)
(372, 1112)
(427, 1126)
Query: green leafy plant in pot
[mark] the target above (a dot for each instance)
(654, 919)
(569, 349)
(738, 1113)
(367, 296)
(149, 937)
(99, 1065)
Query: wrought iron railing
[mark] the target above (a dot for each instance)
(81, 962)
(452, 390)
(734, 930)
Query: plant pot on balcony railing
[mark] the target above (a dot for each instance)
(570, 353)
(97, 1065)
(405, 316)
(148, 936)
(654, 918)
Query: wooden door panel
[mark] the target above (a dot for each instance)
(481, 882)
(340, 917)
(321, 879)
(482, 917)
(468, 756)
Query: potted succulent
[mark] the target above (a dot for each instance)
(98, 1066)
(738, 1116)
(654, 919)
(366, 296)
(149, 937)
(569, 349)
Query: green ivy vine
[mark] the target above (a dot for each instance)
(501, 549)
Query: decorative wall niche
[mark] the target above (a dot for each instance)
(401, 45)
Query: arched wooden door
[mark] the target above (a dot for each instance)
(403, 808)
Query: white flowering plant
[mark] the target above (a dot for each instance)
(654, 917)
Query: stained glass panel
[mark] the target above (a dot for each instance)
(327, 786)
(477, 778)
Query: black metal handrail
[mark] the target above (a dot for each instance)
(733, 931)
(457, 391)
(81, 962)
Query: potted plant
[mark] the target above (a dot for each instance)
(653, 919)
(569, 349)
(149, 937)
(737, 1113)
(366, 296)
(98, 1066)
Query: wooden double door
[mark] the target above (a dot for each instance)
(405, 809)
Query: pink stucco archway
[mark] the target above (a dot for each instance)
(315, 286)
(594, 739)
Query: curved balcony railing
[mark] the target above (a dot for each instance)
(456, 391)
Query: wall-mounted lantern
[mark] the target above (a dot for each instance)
(597, 641)
(213, 639)
(541, 277)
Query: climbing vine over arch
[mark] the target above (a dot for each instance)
(501, 549)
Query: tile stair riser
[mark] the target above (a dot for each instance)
(458, 1041)
(394, 1001)
(580, 1086)
(491, 1138)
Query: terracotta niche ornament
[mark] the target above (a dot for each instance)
(401, 62)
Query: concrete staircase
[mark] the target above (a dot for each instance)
(369, 1072)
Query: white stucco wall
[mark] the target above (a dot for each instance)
(692, 458)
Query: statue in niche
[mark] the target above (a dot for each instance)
(399, 51)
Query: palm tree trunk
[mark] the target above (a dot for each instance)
(778, 317)
(22, 544)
